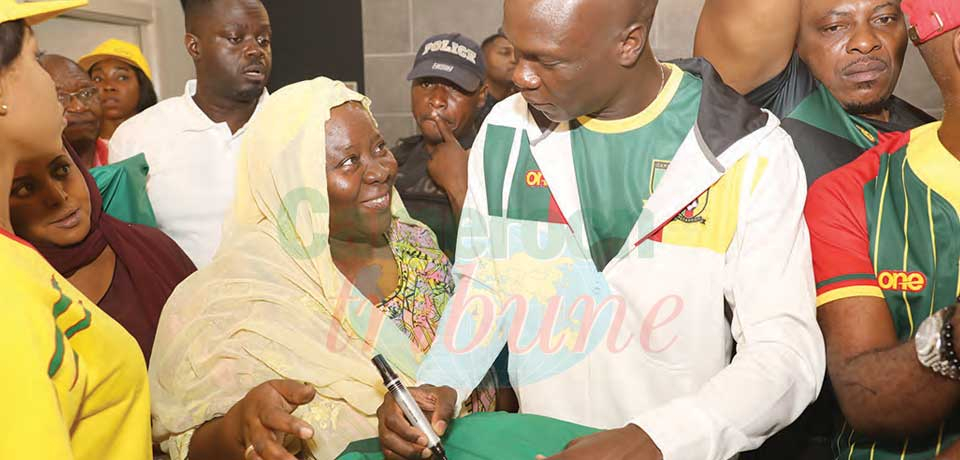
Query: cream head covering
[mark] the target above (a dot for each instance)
(272, 304)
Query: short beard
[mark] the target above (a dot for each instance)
(867, 108)
(248, 95)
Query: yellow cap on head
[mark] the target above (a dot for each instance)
(117, 49)
(36, 11)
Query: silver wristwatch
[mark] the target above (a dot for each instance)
(934, 342)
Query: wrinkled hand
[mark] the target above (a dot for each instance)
(627, 443)
(264, 413)
(447, 165)
(399, 439)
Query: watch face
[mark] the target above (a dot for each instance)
(927, 339)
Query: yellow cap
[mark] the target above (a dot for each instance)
(117, 49)
(36, 11)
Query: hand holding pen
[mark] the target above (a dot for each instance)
(399, 439)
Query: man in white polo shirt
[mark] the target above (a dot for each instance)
(192, 142)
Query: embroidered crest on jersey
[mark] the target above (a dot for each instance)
(867, 134)
(693, 213)
(657, 171)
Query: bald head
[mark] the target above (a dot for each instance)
(579, 57)
(607, 14)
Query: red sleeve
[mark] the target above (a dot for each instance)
(839, 238)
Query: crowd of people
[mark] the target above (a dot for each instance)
(751, 252)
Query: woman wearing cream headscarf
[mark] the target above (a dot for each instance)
(311, 281)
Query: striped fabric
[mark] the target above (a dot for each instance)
(886, 226)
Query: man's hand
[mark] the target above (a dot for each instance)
(627, 443)
(264, 412)
(447, 166)
(399, 439)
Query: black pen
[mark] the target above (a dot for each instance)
(409, 406)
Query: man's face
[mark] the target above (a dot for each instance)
(500, 61)
(855, 48)
(79, 97)
(233, 49)
(436, 100)
(560, 61)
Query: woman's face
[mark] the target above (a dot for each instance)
(119, 88)
(361, 172)
(34, 121)
(49, 201)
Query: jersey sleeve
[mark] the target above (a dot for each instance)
(784, 92)
(34, 426)
(839, 238)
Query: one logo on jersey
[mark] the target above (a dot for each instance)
(867, 134)
(658, 169)
(535, 179)
(693, 213)
(895, 280)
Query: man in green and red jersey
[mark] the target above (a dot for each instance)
(885, 234)
(828, 68)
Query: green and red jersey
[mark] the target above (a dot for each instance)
(886, 226)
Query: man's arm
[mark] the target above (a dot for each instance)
(882, 388)
(779, 366)
(748, 41)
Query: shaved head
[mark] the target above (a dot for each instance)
(580, 57)
(193, 10)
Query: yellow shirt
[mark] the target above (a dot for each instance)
(74, 384)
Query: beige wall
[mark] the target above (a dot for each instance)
(393, 29)
(391, 36)
(155, 25)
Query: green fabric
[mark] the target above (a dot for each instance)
(123, 186)
(616, 173)
(496, 150)
(492, 436)
(908, 205)
(530, 198)
(822, 110)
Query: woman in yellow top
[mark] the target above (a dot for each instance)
(320, 269)
(123, 77)
(73, 381)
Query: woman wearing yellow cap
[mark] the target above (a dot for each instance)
(124, 79)
(74, 384)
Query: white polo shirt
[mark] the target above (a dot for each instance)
(193, 164)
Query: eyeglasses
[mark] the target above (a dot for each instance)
(85, 96)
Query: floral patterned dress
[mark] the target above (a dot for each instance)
(424, 286)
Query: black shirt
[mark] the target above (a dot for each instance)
(826, 136)
(423, 198)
